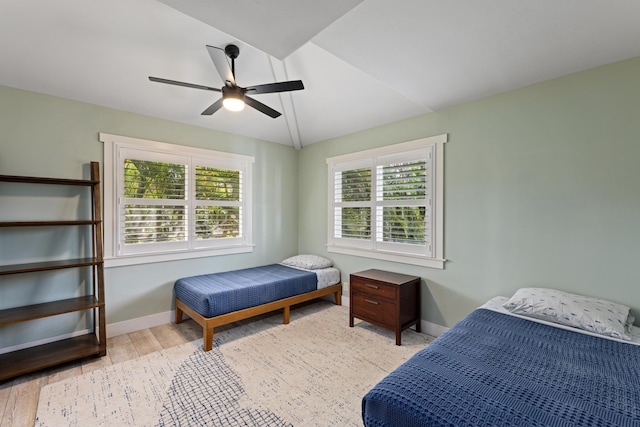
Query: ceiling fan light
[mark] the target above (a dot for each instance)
(233, 98)
(233, 104)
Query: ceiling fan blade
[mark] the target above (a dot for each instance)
(177, 83)
(276, 87)
(213, 108)
(219, 59)
(261, 107)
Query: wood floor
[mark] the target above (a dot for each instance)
(19, 397)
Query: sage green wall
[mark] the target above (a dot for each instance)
(542, 188)
(48, 136)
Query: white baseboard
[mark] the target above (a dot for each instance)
(113, 329)
(145, 322)
(428, 328)
(42, 341)
(345, 301)
(120, 328)
(133, 325)
(139, 323)
(432, 329)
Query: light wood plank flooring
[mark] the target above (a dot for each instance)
(19, 397)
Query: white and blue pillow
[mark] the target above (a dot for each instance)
(308, 262)
(590, 314)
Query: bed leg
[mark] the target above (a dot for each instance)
(287, 312)
(208, 338)
(338, 298)
(178, 314)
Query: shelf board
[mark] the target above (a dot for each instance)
(48, 265)
(32, 359)
(54, 181)
(53, 308)
(47, 223)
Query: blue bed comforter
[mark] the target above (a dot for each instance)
(492, 369)
(221, 293)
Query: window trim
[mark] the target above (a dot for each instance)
(437, 260)
(112, 145)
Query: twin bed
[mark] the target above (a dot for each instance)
(517, 366)
(218, 299)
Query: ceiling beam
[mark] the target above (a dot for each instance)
(279, 70)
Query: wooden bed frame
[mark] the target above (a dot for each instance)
(208, 323)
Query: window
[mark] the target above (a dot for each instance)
(166, 201)
(386, 203)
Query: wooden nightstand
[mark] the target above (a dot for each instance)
(386, 299)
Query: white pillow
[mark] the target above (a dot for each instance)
(591, 314)
(630, 319)
(309, 262)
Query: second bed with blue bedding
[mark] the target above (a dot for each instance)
(220, 298)
(221, 293)
(494, 369)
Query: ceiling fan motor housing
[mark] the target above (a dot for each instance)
(232, 51)
(233, 92)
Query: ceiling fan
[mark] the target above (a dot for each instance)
(235, 97)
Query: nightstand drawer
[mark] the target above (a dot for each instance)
(369, 307)
(373, 288)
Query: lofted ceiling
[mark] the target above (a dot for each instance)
(363, 62)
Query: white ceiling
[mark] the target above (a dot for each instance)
(363, 62)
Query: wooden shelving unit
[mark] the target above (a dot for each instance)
(94, 343)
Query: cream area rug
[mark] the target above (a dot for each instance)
(311, 372)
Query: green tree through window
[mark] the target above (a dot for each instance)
(156, 194)
(146, 183)
(217, 219)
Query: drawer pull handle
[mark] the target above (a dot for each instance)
(372, 302)
(371, 286)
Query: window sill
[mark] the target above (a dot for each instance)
(388, 256)
(172, 256)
